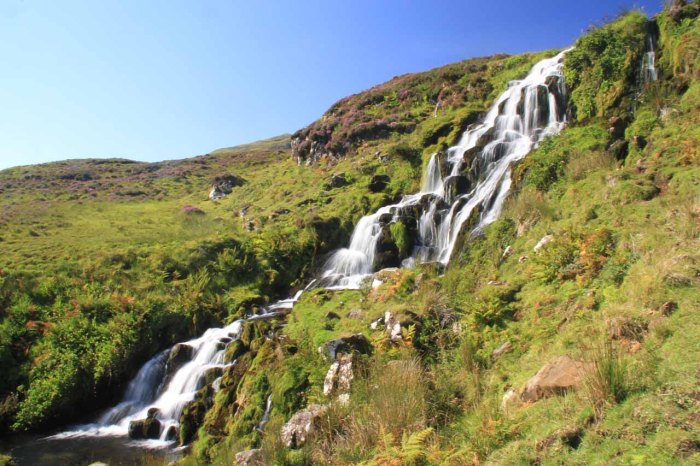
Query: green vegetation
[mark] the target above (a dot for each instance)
(94, 282)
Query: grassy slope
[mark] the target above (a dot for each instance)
(626, 234)
(100, 266)
(626, 241)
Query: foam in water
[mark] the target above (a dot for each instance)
(528, 111)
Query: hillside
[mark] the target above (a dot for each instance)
(591, 265)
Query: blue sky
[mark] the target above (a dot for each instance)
(155, 80)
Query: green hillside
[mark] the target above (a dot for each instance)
(104, 263)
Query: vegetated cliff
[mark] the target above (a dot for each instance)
(565, 333)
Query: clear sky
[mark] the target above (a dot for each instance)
(154, 80)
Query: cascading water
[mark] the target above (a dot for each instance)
(648, 71)
(475, 187)
(479, 165)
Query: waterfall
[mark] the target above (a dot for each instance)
(648, 71)
(472, 193)
(480, 164)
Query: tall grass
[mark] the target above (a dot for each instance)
(607, 380)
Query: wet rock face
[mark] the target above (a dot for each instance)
(302, 425)
(180, 355)
(456, 185)
(148, 428)
(556, 377)
(193, 414)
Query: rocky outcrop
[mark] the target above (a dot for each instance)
(557, 377)
(223, 186)
(339, 376)
(302, 425)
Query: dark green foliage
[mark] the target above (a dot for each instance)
(603, 66)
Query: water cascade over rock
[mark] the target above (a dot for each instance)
(471, 193)
(463, 190)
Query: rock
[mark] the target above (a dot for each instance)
(252, 457)
(337, 180)
(171, 434)
(668, 308)
(376, 323)
(522, 259)
(619, 149)
(507, 253)
(152, 413)
(556, 377)
(339, 376)
(144, 429)
(357, 343)
(501, 350)
(223, 185)
(209, 376)
(496, 283)
(543, 242)
(301, 425)
(179, 356)
(378, 183)
(616, 127)
(456, 185)
(193, 413)
(331, 316)
(356, 314)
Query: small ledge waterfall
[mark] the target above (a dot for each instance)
(648, 71)
(463, 189)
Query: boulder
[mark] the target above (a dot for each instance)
(558, 376)
(252, 457)
(337, 180)
(357, 343)
(144, 429)
(223, 185)
(378, 183)
(543, 242)
(171, 434)
(339, 376)
(302, 425)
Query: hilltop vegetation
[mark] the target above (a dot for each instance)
(103, 265)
